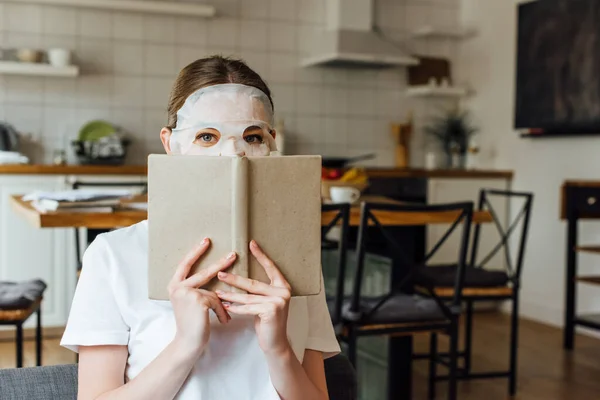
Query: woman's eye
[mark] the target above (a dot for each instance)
(253, 139)
(205, 137)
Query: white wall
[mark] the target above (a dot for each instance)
(129, 62)
(488, 63)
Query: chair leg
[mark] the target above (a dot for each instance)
(19, 345)
(468, 337)
(452, 385)
(514, 338)
(38, 337)
(352, 339)
(432, 365)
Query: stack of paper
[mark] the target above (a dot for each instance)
(79, 200)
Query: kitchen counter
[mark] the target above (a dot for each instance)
(142, 170)
(72, 170)
(437, 173)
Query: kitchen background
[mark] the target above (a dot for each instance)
(128, 63)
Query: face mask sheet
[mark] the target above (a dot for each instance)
(225, 120)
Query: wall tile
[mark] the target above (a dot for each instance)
(95, 23)
(128, 58)
(25, 18)
(281, 68)
(156, 92)
(187, 54)
(25, 90)
(257, 60)
(310, 11)
(83, 115)
(128, 26)
(96, 56)
(94, 90)
(335, 130)
(309, 99)
(282, 37)
(223, 33)
(310, 130)
(336, 102)
(254, 9)
(19, 39)
(283, 10)
(59, 21)
(132, 123)
(60, 92)
(191, 31)
(60, 41)
(57, 121)
(284, 97)
(154, 120)
(253, 35)
(159, 29)
(25, 118)
(128, 92)
(227, 8)
(159, 60)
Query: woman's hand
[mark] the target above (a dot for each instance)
(268, 302)
(191, 304)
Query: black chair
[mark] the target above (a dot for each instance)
(339, 215)
(18, 301)
(484, 284)
(92, 233)
(401, 311)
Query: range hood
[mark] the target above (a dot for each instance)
(349, 40)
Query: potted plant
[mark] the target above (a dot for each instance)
(453, 131)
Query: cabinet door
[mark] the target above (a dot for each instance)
(456, 190)
(27, 252)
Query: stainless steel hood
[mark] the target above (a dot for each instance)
(349, 40)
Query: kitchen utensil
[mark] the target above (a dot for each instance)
(95, 130)
(29, 55)
(9, 137)
(341, 162)
(59, 57)
(344, 194)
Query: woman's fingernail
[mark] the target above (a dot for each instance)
(205, 240)
(222, 274)
(226, 305)
(253, 244)
(231, 255)
(218, 291)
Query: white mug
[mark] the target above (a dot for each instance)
(342, 194)
(59, 57)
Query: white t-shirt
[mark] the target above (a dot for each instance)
(111, 307)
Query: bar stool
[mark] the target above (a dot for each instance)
(18, 301)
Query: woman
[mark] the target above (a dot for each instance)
(199, 345)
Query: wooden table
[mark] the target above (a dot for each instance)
(128, 217)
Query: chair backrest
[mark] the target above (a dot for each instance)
(60, 381)
(339, 215)
(522, 217)
(373, 216)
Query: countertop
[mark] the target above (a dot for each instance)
(142, 170)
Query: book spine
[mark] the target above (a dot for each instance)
(240, 198)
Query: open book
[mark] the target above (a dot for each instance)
(273, 200)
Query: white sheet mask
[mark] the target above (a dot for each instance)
(225, 113)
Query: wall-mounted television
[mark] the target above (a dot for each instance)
(558, 67)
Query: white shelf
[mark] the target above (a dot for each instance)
(150, 6)
(436, 91)
(37, 69)
(433, 32)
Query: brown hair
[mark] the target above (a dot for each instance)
(210, 71)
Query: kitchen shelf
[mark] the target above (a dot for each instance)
(148, 6)
(427, 32)
(37, 69)
(436, 91)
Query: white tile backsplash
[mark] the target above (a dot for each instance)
(253, 35)
(94, 23)
(25, 18)
(59, 21)
(128, 26)
(129, 62)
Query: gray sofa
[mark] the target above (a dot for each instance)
(60, 381)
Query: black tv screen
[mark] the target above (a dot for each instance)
(558, 66)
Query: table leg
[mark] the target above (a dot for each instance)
(570, 292)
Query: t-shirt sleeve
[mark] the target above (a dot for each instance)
(321, 336)
(95, 318)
